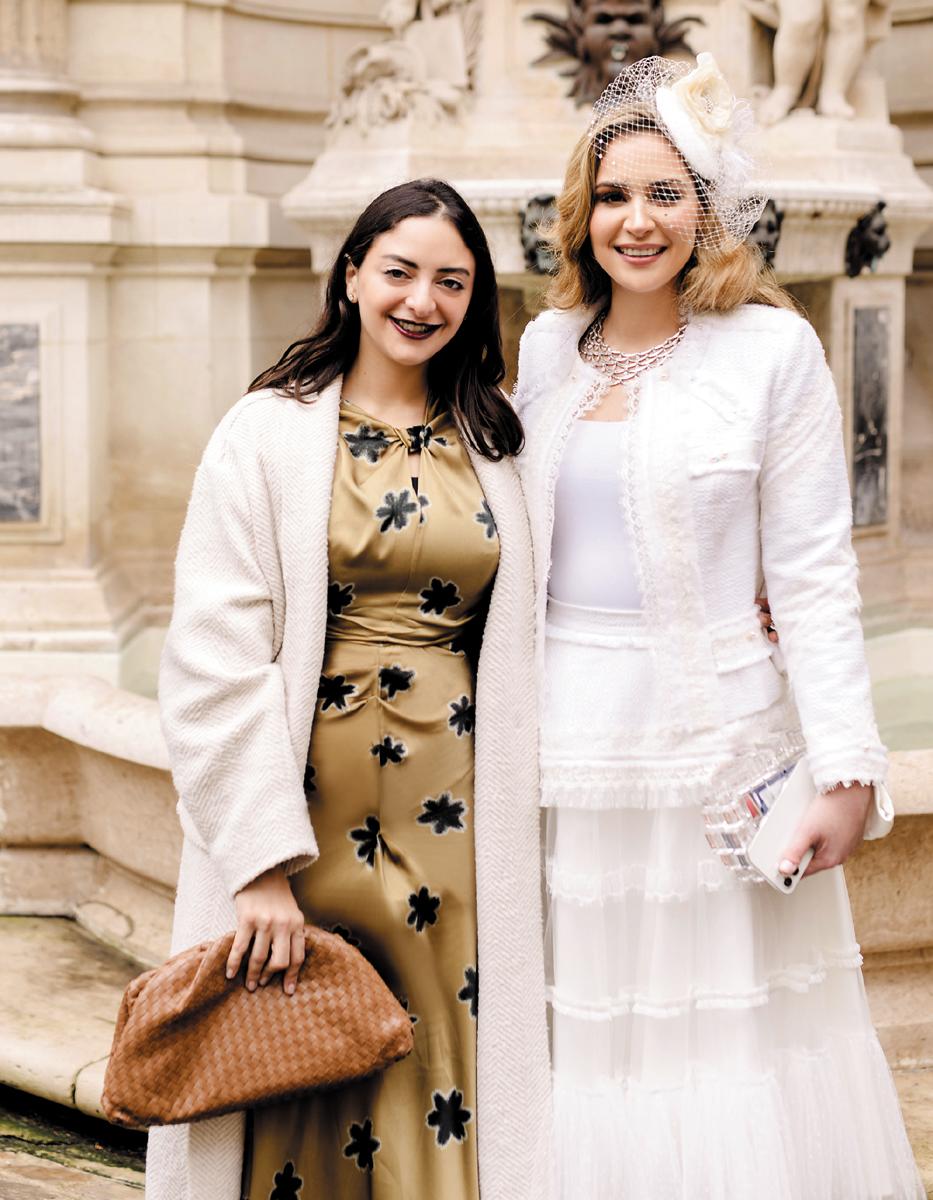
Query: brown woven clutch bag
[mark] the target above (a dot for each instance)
(190, 1043)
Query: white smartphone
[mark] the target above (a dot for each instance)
(777, 828)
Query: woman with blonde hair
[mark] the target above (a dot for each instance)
(710, 1036)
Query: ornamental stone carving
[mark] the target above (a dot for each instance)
(867, 242)
(425, 70)
(818, 50)
(600, 37)
(766, 232)
(539, 258)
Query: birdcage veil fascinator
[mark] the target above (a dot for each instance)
(712, 131)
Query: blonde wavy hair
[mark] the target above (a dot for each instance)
(717, 278)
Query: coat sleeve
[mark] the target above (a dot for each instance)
(221, 694)
(810, 568)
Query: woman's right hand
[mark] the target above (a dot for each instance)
(268, 917)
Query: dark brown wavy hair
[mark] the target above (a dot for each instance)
(464, 375)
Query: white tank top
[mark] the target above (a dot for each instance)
(592, 555)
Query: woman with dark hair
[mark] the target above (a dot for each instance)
(355, 551)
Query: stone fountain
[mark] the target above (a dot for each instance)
(154, 255)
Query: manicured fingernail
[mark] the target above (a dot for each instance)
(229, 973)
(786, 867)
(251, 986)
(290, 988)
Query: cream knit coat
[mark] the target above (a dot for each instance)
(237, 692)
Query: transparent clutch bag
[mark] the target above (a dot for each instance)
(751, 826)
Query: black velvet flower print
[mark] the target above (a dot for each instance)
(462, 717)
(425, 503)
(413, 1017)
(287, 1183)
(395, 510)
(486, 518)
(449, 1118)
(339, 597)
(333, 691)
(469, 993)
(462, 643)
(388, 751)
(423, 909)
(443, 814)
(341, 930)
(369, 839)
(367, 443)
(422, 437)
(439, 596)
(310, 773)
(394, 679)
(362, 1145)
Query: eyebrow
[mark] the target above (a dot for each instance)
(406, 262)
(675, 179)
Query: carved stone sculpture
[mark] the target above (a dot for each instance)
(867, 242)
(603, 36)
(425, 70)
(539, 257)
(818, 50)
(766, 232)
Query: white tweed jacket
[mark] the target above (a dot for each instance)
(736, 475)
(237, 692)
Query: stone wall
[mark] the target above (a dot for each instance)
(146, 274)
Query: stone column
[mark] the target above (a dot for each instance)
(57, 230)
(37, 101)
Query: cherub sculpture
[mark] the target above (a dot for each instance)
(818, 49)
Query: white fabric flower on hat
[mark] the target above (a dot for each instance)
(698, 111)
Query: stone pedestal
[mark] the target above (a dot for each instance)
(509, 143)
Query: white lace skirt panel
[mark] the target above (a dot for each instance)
(607, 744)
(710, 1038)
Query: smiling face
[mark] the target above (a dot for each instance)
(413, 289)
(645, 213)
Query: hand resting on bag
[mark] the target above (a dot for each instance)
(833, 826)
(268, 916)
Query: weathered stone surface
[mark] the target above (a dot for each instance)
(60, 992)
(889, 887)
(899, 986)
(29, 1177)
(915, 1089)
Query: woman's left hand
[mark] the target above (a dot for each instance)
(833, 826)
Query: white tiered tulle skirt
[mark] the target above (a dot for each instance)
(711, 1039)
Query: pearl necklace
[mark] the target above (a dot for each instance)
(617, 366)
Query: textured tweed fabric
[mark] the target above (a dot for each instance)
(737, 476)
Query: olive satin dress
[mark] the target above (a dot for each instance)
(390, 793)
